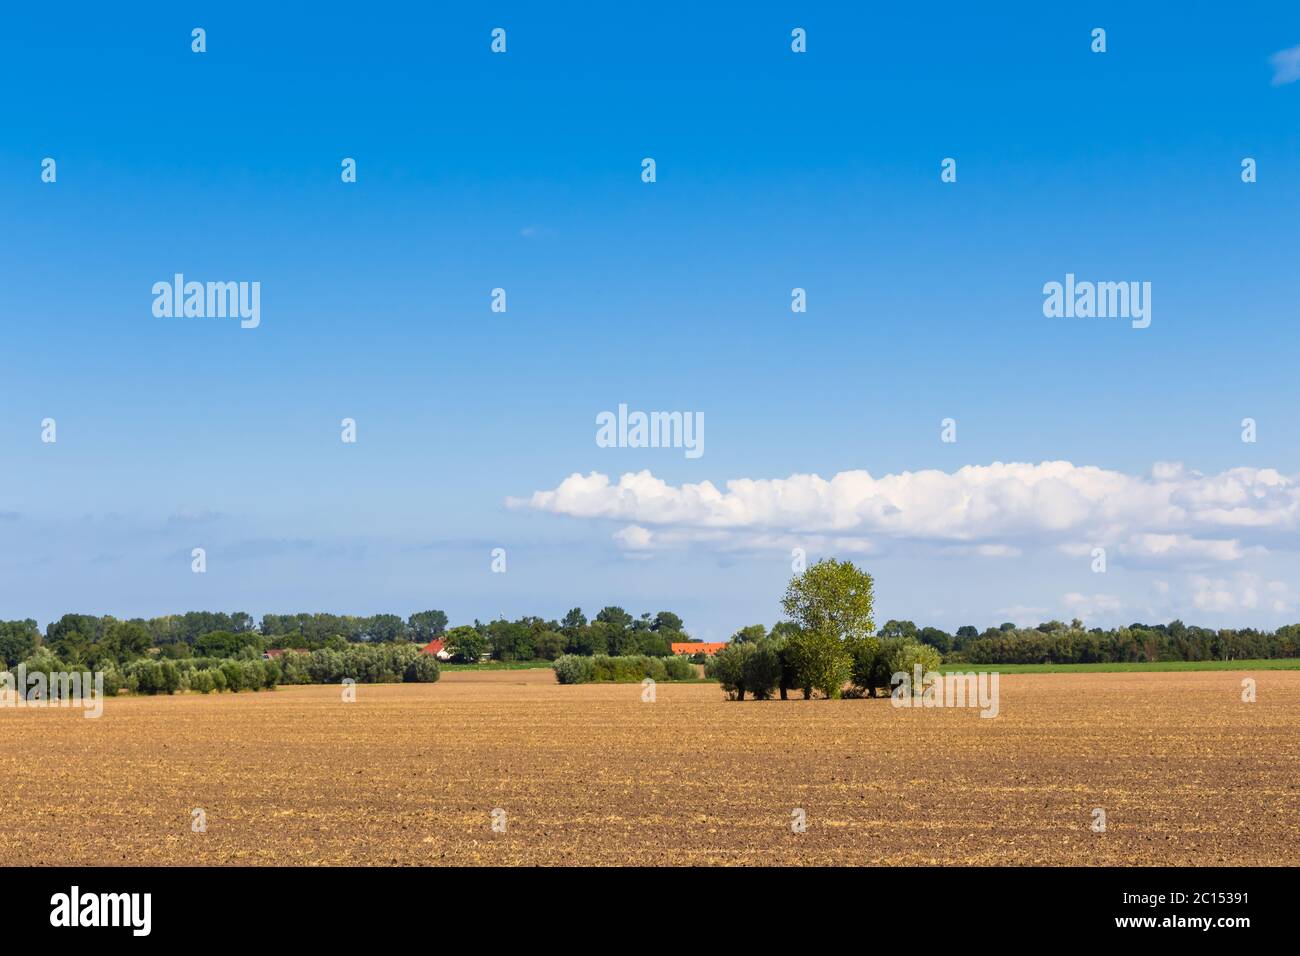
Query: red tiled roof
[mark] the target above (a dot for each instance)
(433, 647)
(697, 647)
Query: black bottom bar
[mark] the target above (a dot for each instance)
(328, 905)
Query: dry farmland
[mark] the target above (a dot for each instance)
(410, 774)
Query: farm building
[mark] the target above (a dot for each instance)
(437, 648)
(697, 647)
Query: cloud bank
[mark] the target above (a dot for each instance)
(1167, 517)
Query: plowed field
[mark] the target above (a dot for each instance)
(411, 774)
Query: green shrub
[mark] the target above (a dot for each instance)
(907, 655)
(293, 668)
(573, 669)
(727, 667)
(760, 669)
(870, 668)
(114, 680)
(366, 664)
(169, 677)
(143, 677)
(253, 675)
(679, 668)
(423, 669)
(234, 675)
(201, 681)
(627, 669)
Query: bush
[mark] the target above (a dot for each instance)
(254, 675)
(293, 668)
(761, 668)
(325, 666)
(629, 668)
(234, 675)
(143, 677)
(114, 680)
(869, 669)
(422, 670)
(679, 668)
(169, 677)
(727, 667)
(907, 655)
(218, 679)
(201, 681)
(573, 669)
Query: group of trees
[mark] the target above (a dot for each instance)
(613, 632)
(828, 641)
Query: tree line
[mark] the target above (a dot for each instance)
(1055, 642)
(832, 598)
(84, 640)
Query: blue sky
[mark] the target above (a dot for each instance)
(775, 170)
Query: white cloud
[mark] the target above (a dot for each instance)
(1161, 548)
(1022, 615)
(1286, 66)
(1240, 592)
(1171, 516)
(634, 538)
(1089, 606)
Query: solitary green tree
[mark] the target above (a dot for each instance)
(466, 644)
(831, 602)
(832, 597)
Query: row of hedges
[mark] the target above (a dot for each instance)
(45, 663)
(204, 675)
(366, 664)
(601, 668)
(363, 663)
